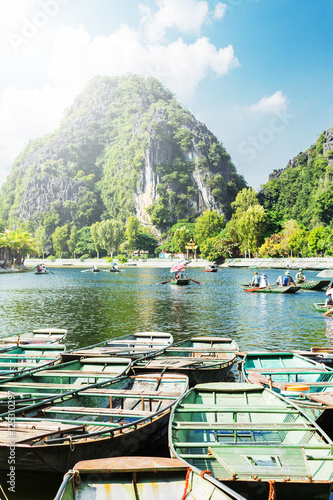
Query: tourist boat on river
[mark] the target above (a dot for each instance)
(313, 284)
(321, 306)
(140, 478)
(211, 268)
(202, 359)
(134, 345)
(40, 336)
(125, 417)
(252, 439)
(60, 378)
(271, 289)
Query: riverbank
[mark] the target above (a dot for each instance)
(316, 263)
(88, 263)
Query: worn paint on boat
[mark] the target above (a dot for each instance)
(124, 417)
(42, 335)
(202, 359)
(252, 439)
(60, 378)
(133, 346)
(140, 478)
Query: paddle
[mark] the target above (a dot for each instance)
(85, 270)
(197, 282)
(163, 282)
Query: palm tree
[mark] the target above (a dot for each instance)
(20, 244)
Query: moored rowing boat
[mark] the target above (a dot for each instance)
(42, 335)
(148, 478)
(202, 359)
(133, 346)
(254, 440)
(124, 417)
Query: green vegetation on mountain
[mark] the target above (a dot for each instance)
(124, 148)
(304, 189)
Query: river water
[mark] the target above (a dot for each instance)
(97, 306)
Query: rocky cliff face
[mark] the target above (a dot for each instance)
(124, 147)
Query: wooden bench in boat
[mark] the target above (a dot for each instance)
(112, 412)
(28, 431)
(77, 373)
(325, 398)
(171, 362)
(240, 426)
(249, 462)
(283, 371)
(188, 408)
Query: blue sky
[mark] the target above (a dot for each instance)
(258, 73)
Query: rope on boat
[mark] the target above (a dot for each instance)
(186, 483)
(205, 472)
(272, 490)
(4, 494)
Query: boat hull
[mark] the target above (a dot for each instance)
(314, 285)
(272, 289)
(181, 281)
(154, 478)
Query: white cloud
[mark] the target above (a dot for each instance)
(276, 103)
(180, 66)
(76, 57)
(220, 10)
(187, 16)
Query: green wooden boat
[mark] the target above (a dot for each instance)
(140, 478)
(313, 284)
(132, 346)
(180, 281)
(21, 359)
(322, 307)
(43, 335)
(271, 289)
(202, 359)
(293, 376)
(60, 378)
(124, 417)
(254, 440)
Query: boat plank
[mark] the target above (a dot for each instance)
(97, 411)
(235, 426)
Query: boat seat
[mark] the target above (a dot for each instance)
(114, 412)
(28, 431)
(250, 426)
(245, 462)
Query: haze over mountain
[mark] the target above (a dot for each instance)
(125, 146)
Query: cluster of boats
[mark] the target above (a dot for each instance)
(98, 414)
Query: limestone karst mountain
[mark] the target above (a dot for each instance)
(125, 146)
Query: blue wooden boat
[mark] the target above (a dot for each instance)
(252, 439)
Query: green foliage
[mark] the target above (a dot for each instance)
(147, 243)
(71, 243)
(41, 240)
(84, 244)
(303, 191)
(180, 238)
(59, 239)
(132, 229)
(208, 225)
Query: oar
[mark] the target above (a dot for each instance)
(197, 282)
(85, 270)
(51, 272)
(163, 282)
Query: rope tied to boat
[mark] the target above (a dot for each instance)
(186, 483)
(4, 494)
(272, 490)
(205, 472)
